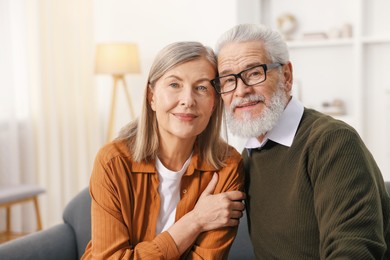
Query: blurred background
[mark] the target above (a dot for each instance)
(57, 82)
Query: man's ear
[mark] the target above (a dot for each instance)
(288, 76)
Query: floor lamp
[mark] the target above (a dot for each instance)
(117, 59)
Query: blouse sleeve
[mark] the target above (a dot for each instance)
(110, 237)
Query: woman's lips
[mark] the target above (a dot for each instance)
(185, 116)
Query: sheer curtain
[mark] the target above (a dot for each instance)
(52, 129)
(16, 144)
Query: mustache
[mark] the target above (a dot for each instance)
(251, 98)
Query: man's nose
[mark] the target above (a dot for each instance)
(242, 89)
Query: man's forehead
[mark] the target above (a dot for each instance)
(239, 56)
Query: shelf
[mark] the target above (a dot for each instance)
(320, 43)
(336, 42)
(374, 40)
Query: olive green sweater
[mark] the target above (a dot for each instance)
(322, 198)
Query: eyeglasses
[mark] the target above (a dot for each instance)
(250, 77)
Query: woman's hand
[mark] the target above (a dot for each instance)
(214, 211)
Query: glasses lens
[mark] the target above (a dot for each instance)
(227, 83)
(253, 76)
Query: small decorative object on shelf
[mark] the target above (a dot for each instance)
(314, 36)
(287, 24)
(334, 33)
(346, 30)
(334, 108)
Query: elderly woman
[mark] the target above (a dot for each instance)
(169, 187)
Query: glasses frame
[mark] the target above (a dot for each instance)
(266, 67)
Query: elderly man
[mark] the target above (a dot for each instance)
(314, 190)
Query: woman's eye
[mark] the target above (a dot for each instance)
(201, 88)
(174, 85)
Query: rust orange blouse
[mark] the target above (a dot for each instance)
(125, 207)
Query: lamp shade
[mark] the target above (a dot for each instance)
(117, 58)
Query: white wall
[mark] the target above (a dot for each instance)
(152, 25)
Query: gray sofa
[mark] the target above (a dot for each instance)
(68, 240)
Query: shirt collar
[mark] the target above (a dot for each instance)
(285, 129)
(195, 164)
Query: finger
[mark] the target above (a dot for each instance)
(235, 195)
(237, 214)
(233, 222)
(211, 186)
(237, 205)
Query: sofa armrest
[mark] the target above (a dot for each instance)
(57, 242)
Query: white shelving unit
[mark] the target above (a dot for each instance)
(353, 69)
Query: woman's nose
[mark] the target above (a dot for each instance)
(187, 97)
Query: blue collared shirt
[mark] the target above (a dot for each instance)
(285, 129)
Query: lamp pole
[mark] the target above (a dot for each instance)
(117, 78)
(117, 60)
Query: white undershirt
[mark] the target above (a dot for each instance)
(169, 190)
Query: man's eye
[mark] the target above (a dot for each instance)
(255, 74)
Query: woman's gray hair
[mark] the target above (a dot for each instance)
(142, 134)
(275, 46)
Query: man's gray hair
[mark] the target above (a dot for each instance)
(275, 46)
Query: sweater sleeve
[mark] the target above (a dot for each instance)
(110, 238)
(216, 244)
(347, 201)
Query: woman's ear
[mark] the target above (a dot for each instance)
(150, 97)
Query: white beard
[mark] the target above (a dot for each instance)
(248, 126)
